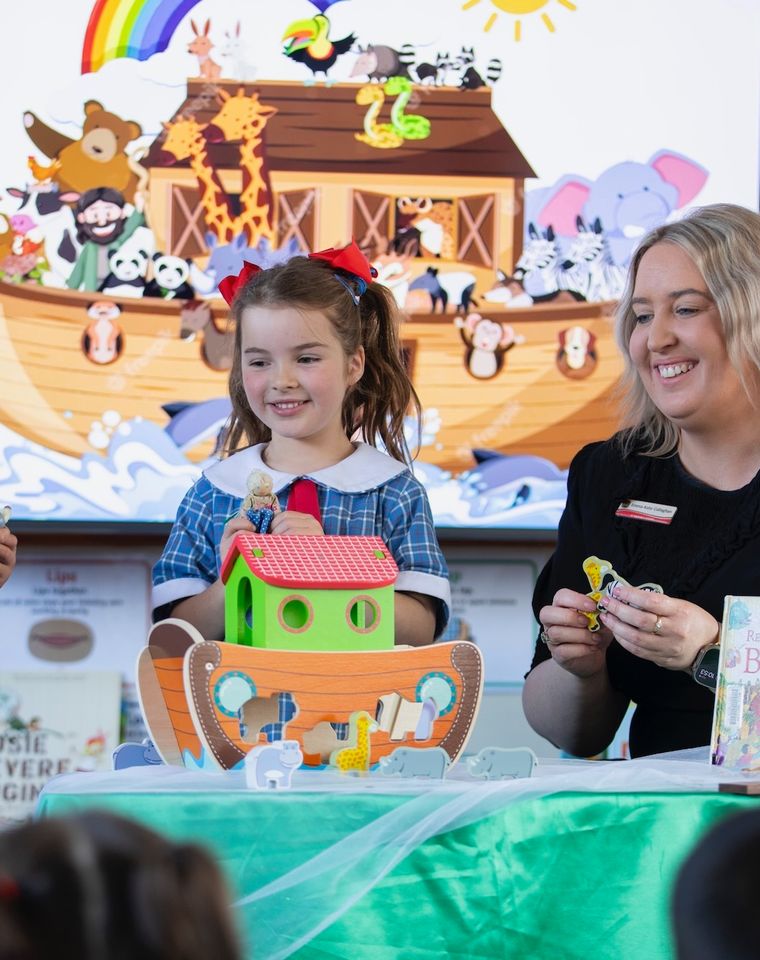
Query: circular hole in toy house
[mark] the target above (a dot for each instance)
(363, 614)
(295, 614)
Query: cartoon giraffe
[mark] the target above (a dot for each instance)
(355, 758)
(243, 118)
(184, 138)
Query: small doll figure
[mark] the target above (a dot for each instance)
(260, 504)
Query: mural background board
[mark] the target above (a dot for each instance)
(597, 97)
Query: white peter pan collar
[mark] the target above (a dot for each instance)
(364, 469)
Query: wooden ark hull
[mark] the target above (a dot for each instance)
(52, 393)
(326, 687)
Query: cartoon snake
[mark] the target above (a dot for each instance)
(414, 126)
(380, 135)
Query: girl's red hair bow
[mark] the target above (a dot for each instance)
(348, 258)
(229, 286)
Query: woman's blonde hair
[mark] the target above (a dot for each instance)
(723, 240)
(375, 406)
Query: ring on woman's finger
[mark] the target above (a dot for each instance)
(545, 638)
(657, 626)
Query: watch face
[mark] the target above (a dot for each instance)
(706, 670)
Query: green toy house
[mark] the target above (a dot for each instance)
(309, 593)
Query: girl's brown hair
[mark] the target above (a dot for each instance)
(98, 886)
(723, 240)
(377, 404)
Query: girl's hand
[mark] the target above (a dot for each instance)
(565, 632)
(296, 524)
(659, 628)
(7, 554)
(234, 525)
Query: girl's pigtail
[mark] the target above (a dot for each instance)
(384, 396)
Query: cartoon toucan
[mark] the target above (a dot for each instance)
(308, 41)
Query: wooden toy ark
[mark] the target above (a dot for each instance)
(310, 657)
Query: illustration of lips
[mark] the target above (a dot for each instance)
(61, 641)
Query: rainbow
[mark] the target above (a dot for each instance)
(130, 28)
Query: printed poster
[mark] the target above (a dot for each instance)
(50, 724)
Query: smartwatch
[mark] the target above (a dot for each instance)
(705, 667)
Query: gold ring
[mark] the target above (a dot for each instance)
(658, 626)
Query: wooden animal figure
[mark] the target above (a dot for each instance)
(502, 763)
(486, 342)
(428, 762)
(597, 571)
(260, 505)
(201, 46)
(5, 515)
(382, 136)
(270, 766)
(356, 757)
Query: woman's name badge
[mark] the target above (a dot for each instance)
(643, 510)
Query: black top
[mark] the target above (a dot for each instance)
(709, 550)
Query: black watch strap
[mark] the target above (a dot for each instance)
(705, 667)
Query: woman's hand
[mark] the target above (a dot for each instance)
(565, 631)
(659, 628)
(7, 554)
(296, 524)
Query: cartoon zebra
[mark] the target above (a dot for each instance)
(539, 265)
(588, 266)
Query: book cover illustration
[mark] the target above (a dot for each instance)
(736, 721)
(53, 723)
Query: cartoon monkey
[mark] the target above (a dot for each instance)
(486, 341)
(103, 339)
(576, 357)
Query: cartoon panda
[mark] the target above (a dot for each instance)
(127, 274)
(169, 281)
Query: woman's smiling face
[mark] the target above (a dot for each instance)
(678, 346)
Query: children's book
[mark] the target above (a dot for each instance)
(736, 720)
(53, 723)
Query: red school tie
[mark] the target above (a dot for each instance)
(303, 498)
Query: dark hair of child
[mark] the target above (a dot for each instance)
(376, 405)
(715, 896)
(96, 886)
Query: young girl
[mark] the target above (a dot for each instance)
(93, 885)
(317, 360)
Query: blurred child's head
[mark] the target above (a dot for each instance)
(97, 886)
(715, 895)
(365, 324)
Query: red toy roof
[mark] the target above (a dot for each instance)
(343, 563)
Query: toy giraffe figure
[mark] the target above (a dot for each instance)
(243, 118)
(185, 138)
(355, 758)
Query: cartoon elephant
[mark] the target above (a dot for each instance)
(629, 198)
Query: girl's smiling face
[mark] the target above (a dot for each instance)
(296, 375)
(678, 345)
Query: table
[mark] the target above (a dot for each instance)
(575, 863)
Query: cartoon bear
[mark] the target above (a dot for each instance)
(97, 159)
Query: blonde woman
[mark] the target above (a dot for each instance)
(688, 460)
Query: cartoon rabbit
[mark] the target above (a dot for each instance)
(200, 46)
(234, 53)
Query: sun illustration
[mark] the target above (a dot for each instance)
(519, 9)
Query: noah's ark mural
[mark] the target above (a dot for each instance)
(179, 138)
